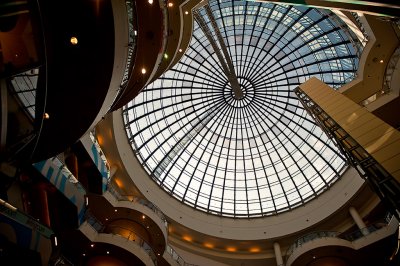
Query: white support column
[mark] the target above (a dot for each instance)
(358, 220)
(278, 254)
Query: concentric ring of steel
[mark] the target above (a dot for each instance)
(252, 156)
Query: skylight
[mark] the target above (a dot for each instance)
(255, 155)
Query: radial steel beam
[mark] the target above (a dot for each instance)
(224, 59)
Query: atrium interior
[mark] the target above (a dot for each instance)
(199, 132)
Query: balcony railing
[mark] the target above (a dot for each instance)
(126, 233)
(140, 201)
(360, 233)
(175, 256)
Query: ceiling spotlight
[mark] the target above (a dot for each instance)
(92, 245)
(150, 2)
(46, 116)
(180, 50)
(170, 4)
(143, 71)
(186, 12)
(381, 61)
(108, 252)
(74, 40)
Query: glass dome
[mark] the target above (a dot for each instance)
(259, 153)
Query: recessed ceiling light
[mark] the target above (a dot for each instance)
(74, 40)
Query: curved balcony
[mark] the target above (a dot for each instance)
(349, 247)
(151, 37)
(127, 240)
(136, 215)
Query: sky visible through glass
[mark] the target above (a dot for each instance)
(258, 155)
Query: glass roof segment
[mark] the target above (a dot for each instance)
(258, 155)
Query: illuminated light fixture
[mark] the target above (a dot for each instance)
(84, 254)
(314, 257)
(74, 40)
(208, 245)
(255, 249)
(186, 12)
(92, 245)
(170, 4)
(143, 217)
(231, 249)
(108, 252)
(166, 56)
(180, 50)
(147, 227)
(55, 241)
(187, 238)
(381, 61)
(46, 116)
(135, 32)
(118, 182)
(87, 201)
(150, 2)
(106, 219)
(115, 210)
(143, 71)
(158, 254)
(8, 205)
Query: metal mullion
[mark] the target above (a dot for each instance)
(304, 43)
(226, 106)
(310, 132)
(226, 167)
(310, 53)
(234, 175)
(162, 107)
(244, 165)
(193, 58)
(317, 63)
(243, 31)
(314, 73)
(219, 157)
(169, 126)
(251, 37)
(312, 147)
(226, 115)
(219, 70)
(272, 163)
(286, 169)
(252, 159)
(258, 40)
(167, 173)
(242, 68)
(187, 133)
(266, 53)
(214, 70)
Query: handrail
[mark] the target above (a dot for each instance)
(100, 228)
(382, 223)
(176, 257)
(92, 135)
(309, 237)
(140, 201)
(132, 38)
(360, 25)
